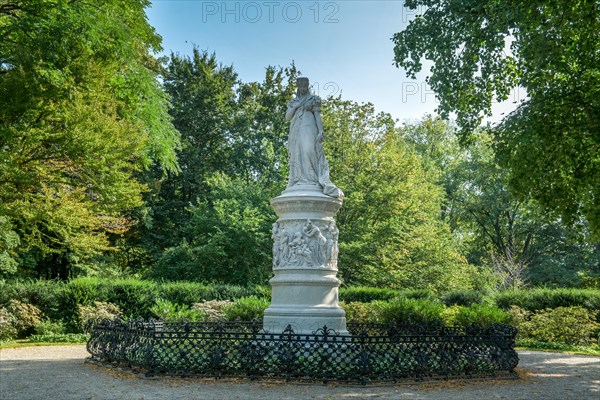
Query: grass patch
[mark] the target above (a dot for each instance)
(13, 344)
(528, 344)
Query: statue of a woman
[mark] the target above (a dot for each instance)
(307, 161)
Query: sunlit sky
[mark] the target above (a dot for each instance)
(342, 46)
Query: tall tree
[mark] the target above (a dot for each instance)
(515, 238)
(234, 136)
(391, 230)
(551, 143)
(81, 111)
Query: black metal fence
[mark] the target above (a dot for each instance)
(370, 353)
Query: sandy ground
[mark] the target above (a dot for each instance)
(59, 373)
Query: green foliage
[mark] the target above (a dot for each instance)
(476, 314)
(540, 299)
(514, 241)
(26, 316)
(99, 310)
(8, 330)
(59, 338)
(231, 241)
(246, 309)
(212, 221)
(411, 311)
(592, 350)
(550, 143)
(359, 312)
(569, 325)
(46, 295)
(419, 294)
(189, 293)
(364, 294)
(60, 301)
(9, 242)
(391, 233)
(214, 310)
(81, 112)
(462, 298)
(171, 312)
(47, 327)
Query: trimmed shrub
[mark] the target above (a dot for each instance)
(462, 298)
(569, 325)
(541, 299)
(365, 294)
(476, 314)
(411, 311)
(246, 309)
(364, 313)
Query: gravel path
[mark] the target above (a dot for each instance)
(59, 373)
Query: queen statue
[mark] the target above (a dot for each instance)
(307, 161)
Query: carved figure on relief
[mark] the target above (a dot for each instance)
(316, 242)
(333, 235)
(300, 254)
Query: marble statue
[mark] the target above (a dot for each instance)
(305, 237)
(307, 161)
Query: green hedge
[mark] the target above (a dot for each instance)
(541, 299)
(364, 294)
(58, 301)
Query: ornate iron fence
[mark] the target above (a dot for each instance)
(370, 353)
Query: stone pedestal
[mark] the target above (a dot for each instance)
(305, 250)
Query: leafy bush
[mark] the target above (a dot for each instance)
(46, 295)
(541, 299)
(100, 310)
(171, 312)
(213, 309)
(462, 298)
(569, 325)
(418, 294)
(48, 327)
(477, 314)
(26, 316)
(189, 293)
(365, 294)
(411, 311)
(517, 317)
(8, 331)
(246, 309)
(363, 313)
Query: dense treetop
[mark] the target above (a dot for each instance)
(550, 49)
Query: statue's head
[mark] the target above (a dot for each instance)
(302, 84)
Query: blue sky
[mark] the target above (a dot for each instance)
(342, 46)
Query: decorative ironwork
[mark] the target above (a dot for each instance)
(370, 353)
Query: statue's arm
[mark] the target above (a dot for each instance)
(291, 110)
(319, 122)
